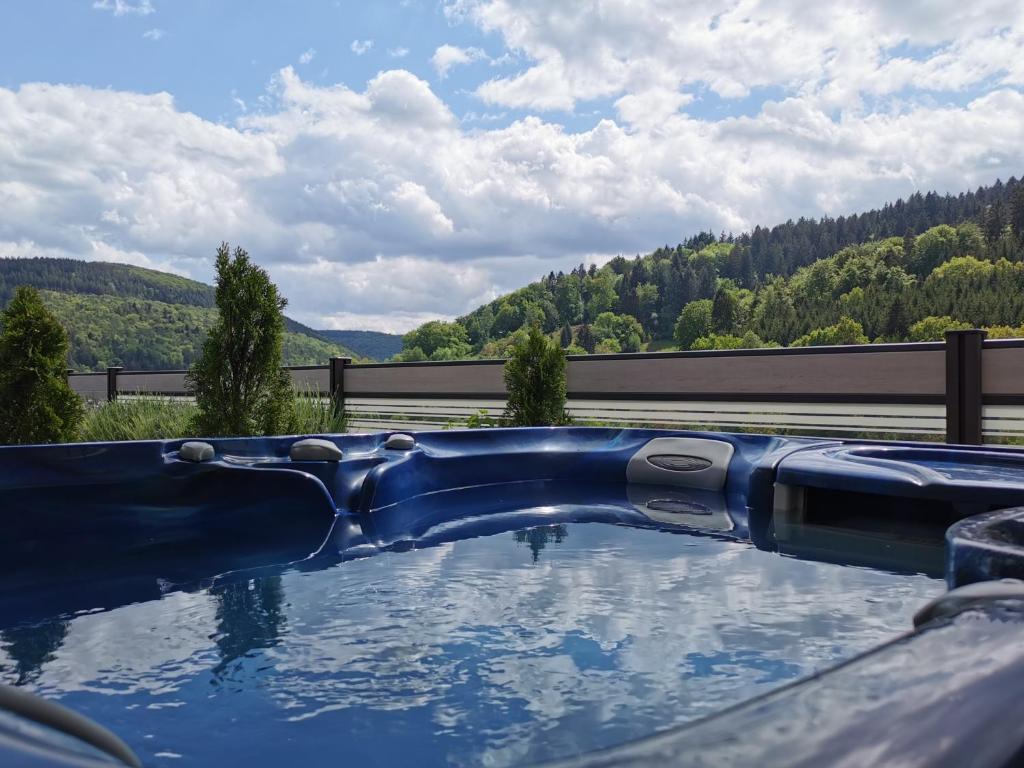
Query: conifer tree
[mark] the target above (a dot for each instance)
(535, 380)
(36, 403)
(566, 337)
(238, 381)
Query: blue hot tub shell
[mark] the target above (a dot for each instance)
(129, 521)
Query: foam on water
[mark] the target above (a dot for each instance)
(499, 651)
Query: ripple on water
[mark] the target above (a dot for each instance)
(497, 650)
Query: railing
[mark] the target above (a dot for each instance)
(962, 390)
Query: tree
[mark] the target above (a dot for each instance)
(36, 403)
(694, 321)
(775, 317)
(934, 328)
(723, 311)
(569, 299)
(932, 248)
(566, 336)
(535, 380)
(601, 295)
(239, 385)
(585, 338)
(1017, 215)
(624, 329)
(437, 340)
(846, 331)
(994, 224)
(749, 340)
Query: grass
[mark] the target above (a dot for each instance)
(168, 418)
(142, 418)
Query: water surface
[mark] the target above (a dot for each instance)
(498, 651)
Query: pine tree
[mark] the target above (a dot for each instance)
(36, 403)
(566, 338)
(238, 381)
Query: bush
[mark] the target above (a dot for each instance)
(749, 340)
(36, 403)
(535, 379)
(238, 381)
(933, 328)
(846, 331)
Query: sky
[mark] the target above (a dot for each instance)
(394, 162)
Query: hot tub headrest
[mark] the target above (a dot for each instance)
(688, 462)
(314, 449)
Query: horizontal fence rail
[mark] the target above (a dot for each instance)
(962, 390)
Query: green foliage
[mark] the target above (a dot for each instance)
(535, 380)
(846, 331)
(143, 418)
(694, 322)
(436, 340)
(565, 337)
(600, 292)
(880, 269)
(585, 338)
(100, 279)
(775, 316)
(748, 340)
(623, 329)
(137, 318)
(724, 311)
(934, 328)
(933, 247)
(36, 403)
(238, 381)
(481, 420)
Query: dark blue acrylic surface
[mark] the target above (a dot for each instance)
(505, 597)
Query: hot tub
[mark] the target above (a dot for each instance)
(512, 597)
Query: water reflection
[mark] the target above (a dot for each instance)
(539, 537)
(249, 616)
(464, 653)
(29, 647)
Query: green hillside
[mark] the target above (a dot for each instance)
(904, 272)
(370, 344)
(138, 318)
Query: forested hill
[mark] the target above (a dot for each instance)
(905, 271)
(370, 344)
(138, 318)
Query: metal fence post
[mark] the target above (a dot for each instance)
(337, 381)
(112, 372)
(963, 386)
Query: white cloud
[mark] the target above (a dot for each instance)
(359, 47)
(307, 56)
(447, 56)
(398, 53)
(153, 34)
(839, 53)
(125, 7)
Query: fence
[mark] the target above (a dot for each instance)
(964, 390)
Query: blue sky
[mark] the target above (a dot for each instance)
(391, 162)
